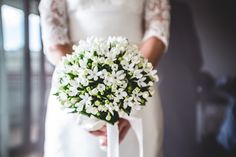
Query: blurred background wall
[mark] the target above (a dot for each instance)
(25, 79)
(202, 49)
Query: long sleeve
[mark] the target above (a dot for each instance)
(54, 22)
(157, 20)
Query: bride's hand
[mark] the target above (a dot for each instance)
(123, 125)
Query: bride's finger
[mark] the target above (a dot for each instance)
(104, 143)
(123, 133)
(98, 133)
(104, 128)
(124, 127)
(122, 124)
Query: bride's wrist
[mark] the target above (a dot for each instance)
(152, 49)
(58, 51)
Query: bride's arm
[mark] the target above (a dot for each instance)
(156, 33)
(54, 23)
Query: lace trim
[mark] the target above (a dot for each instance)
(157, 20)
(54, 22)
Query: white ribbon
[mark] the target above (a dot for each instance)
(113, 137)
(112, 140)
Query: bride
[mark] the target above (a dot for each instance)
(65, 22)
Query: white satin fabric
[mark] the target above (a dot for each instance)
(64, 137)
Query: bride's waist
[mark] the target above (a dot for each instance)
(99, 24)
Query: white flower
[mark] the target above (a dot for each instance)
(149, 65)
(145, 95)
(156, 78)
(85, 100)
(152, 90)
(83, 63)
(126, 65)
(153, 74)
(101, 87)
(150, 83)
(128, 56)
(135, 59)
(138, 73)
(118, 76)
(79, 106)
(122, 113)
(67, 104)
(128, 102)
(141, 82)
(74, 100)
(113, 53)
(131, 67)
(90, 109)
(120, 93)
(108, 80)
(114, 67)
(63, 96)
(93, 91)
(93, 74)
(110, 108)
(84, 82)
(100, 60)
(73, 91)
(136, 95)
(114, 87)
(88, 54)
(102, 108)
(65, 80)
(75, 83)
(103, 74)
(108, 61)
(116, 108)
(83, 46)
(123, 84)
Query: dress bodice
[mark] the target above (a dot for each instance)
(103, 18)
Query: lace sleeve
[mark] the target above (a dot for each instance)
(54, 22)
(157, 20)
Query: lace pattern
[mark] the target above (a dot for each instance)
(157, 20)
(54, 22)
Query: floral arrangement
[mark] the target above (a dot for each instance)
(104, 78)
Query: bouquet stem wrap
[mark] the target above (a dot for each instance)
(113, 137)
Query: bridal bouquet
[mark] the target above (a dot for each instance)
(104, 79)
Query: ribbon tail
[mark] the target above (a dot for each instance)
(112, 140)
(137, 126)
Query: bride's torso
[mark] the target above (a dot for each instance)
(104, 18)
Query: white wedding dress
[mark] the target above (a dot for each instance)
(68, 21)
